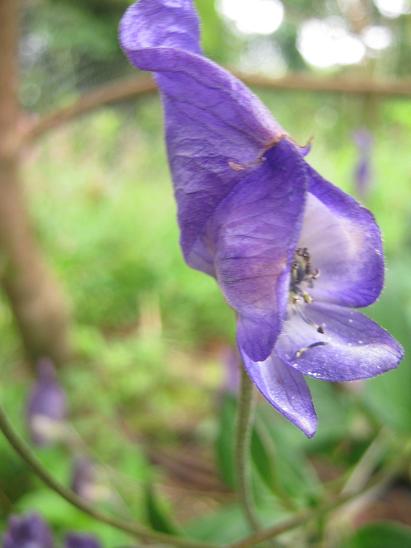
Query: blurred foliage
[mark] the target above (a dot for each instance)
(149, 332)
(381, 535)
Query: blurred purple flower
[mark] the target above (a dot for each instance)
(46, 406)
(363, 177)
(78, 540)
(232, 370)
(83, 477)
(292, 253)
(28, 531)
(86, 483)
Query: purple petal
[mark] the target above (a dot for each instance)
(254, 233)
(285, 389)
(28, 530)
(352, 347)
(46, 406)
(344, 242)
(214, 124)
(159, 23)
(83, 479)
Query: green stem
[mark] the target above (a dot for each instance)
(376, 484)
(245, 418)
(133, 529)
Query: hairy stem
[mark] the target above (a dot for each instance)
(245, 419)
(133, 529)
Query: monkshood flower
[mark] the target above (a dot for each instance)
(29, 531)
(78, 540)
(293, 254)
(363, 170)
(46, 406)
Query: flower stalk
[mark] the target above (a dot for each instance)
(245, 420)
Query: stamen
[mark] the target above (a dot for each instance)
(319, 328)
(302, 274)
(236, 166)
(302, 351)
(307, 298)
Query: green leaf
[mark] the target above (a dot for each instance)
(157, 514)
(285, 466)
(262, 456)
(225, 525)
(225, 442)
(380, 535)
(388, 395)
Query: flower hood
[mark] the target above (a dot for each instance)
(248, 207)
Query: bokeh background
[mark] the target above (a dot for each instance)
(150, 392)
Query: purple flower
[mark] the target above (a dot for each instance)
(231, 361)
(83, 479)
(363, 169)
(78, 540)
(293, 254)
(46, 406)
(28, 531)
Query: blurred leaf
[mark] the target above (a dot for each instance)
(157, 514)
(263, 458)
(225, 442)
(388, 396)
(63, 517)
(290, 470)
(15, 478)
(225, 525)
(334, 414)
(380, 535)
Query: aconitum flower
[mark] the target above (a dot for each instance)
(46, 406)
(363, 169)
(83, 477)
(29, 531)
(293, 254)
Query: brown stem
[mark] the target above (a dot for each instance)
(103, 96)
(35, 299)
(125, 90)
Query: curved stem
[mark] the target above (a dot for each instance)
(245, 419)
(133, 529)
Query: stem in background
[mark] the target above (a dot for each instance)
(125, 90)
(245, 419)
(133, 529)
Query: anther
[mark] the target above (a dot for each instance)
(307, 298)
(302, 351)
(236, 166)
